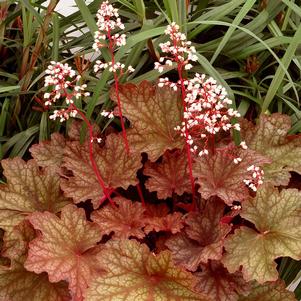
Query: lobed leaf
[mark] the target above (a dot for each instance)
(49, 154)
(125, 221)
(134, 273)
(219, 284)
(65, 248)
(116, 166)
(219, 176)
(28, 190)
(202, 238)
(276, 216)
(275, 291)
(170, 176)
(16, 283)
(154, 113)
(270, 138)
(172, 223)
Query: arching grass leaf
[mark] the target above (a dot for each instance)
(65, 248)
(134, 273)
(154, 113)
(277, 218)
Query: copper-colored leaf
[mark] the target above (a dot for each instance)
(219, 176)
(170, 176)
(116, 166)
(172, 223)
(203, 238)
(219, 284)
(271, 291)
(49, 154)
(134, 273)
(270, 138)
(154, 113)
(28, 190)
(125, 221)
(74, 131)
(65, 249)
(18, 284)
(277, 218)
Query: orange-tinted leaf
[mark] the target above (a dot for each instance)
(134, 273)
(169, 223)
(49, 153)
(16, 241)
(28, 190)
(271, 291)
(154, 113)
(219, 176)
(269, 137)
(18, 284)
(203, 238)
(65, 249)
(126, 220)
(218, 283)
(170, 176)
(277, 218)
(117, 168)
(74, 131)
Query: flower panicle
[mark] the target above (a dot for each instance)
(206, 103)
(108, 20)
(207, 113)
(178, 50)
(64, 84)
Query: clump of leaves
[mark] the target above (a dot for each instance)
(149, 248)
(122, 220)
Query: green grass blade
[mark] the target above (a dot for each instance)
(9, 88)
(240, 16)
(87, 16)
(282, 70)
(172, 10)
(55, 37)
(140, 7)
(281, 65)
(44, 127)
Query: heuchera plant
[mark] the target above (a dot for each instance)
(179, 211)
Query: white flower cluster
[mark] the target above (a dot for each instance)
(63, 114)
(179, 49)
(256, 178)
(98, 140)
(107, 114)
(206, 113)
(108, 20)
(62, 77)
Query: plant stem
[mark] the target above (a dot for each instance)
(183, 95)
(94, 165)
(116, 79)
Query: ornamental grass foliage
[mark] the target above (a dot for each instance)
(168, 209)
